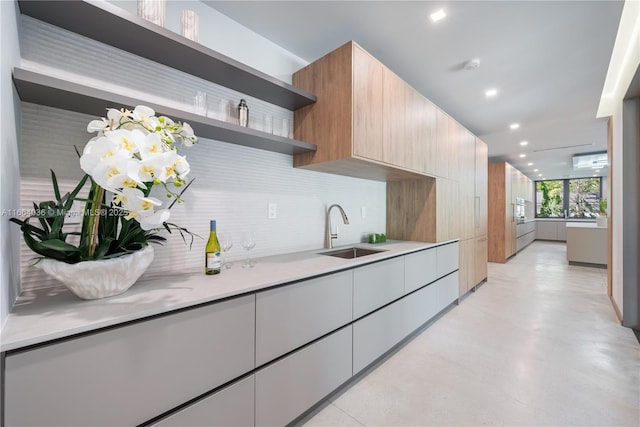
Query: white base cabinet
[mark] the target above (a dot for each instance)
(378, 332)
(230, 407)
(293, 315)
(286, 348)
(377, 284)
(290, 386)
(128, 375)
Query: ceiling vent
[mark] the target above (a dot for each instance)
(590, 160)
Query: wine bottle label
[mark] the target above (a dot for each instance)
(213, 261)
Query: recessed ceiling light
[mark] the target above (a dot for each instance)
(535, 170)
(539, 174)
(597, 170)
(438, 15)
(523, 155)
(490, 93)
(514, 125)
(530, 164)
(595, 174)
(523, 143)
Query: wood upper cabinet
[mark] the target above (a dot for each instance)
(367, 122)
(442, 140)
(481, 188)
(367, 101)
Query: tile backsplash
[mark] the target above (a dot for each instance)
(233, 184)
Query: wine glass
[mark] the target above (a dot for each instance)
(226, 243)
(248, 243)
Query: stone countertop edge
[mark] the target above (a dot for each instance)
(49, 314)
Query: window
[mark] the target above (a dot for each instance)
(582, 201)
(549, 199)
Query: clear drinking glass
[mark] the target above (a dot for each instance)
(189, 23)
(226, 243)
(285, 131)
(248, 243)
(200, 103)
(267, 123)
(153, 11)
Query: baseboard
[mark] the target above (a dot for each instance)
(616, 309)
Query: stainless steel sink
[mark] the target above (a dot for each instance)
(350, 253)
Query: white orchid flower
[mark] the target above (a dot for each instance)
(166, 170)
(145, 170)
(96, 151)
(182, 167)
(98, 125)
(111, 173)
(151, 146)
(127, 141)
(155, 220)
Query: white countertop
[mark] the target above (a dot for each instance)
(53, 313)
(584, 225)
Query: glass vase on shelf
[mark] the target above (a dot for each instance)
(153, 11)
(189, 25)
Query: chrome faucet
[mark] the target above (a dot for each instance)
(328, 236)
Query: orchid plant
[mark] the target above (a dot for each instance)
(132, 152)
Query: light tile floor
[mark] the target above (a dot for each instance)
(538, 344)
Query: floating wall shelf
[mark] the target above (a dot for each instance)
(114, 26)
(58, 93)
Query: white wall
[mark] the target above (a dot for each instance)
(625, 60)
(233, 184)
(224, 35)
(9, 172)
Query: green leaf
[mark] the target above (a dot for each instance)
(56, 190)
(59, 245)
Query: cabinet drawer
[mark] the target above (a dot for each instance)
(128, 375)
(448, 258)
(420, 268)
(377, 284)
(231, 406)
(447, 291)
(419, 307)
(376, 333)
(293, 315)
(287, 388)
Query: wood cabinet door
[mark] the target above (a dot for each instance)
(429, 135)
(442, 144)
(367, 105)
(480, 259)
(481, 189)
(467, 165)
(447, 210)
(393, 119)
(414, 156)
(509, 221)
(456, 135)
(467, 267)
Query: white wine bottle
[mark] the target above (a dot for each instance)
(212, 252)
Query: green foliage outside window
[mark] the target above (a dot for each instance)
(584, 197)
(551, 205)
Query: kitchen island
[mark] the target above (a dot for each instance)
(586, 244)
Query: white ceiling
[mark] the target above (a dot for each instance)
(548, 60)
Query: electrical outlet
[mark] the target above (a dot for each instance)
(363, 211)
(272, 211)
